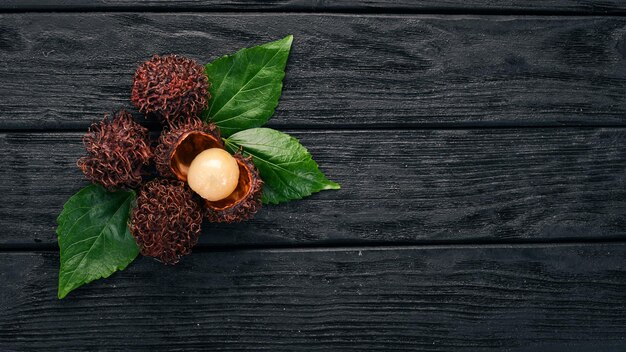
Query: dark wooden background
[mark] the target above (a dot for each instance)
(481, 146)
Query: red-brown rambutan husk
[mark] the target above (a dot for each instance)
(179, 145)
(166, 221)
(244, 202)
(171, 87)
(118, 151)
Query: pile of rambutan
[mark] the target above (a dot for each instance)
(185, 175)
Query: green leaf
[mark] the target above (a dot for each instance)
(286, 167)
(94, 237)
(246, 86)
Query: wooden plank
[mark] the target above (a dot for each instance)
(455, 6)
(522, 298)
(60, 71)
(419, 186)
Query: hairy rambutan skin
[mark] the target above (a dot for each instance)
(118, 152)
(171, 87)
(244, 202)
(166, 220)
(181, 143)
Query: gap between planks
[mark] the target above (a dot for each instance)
(352, 128)
(338, 246)
(402, 12)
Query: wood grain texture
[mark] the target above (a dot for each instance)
(398, 187)
(372, 6)
(60, 71)
(523, 298)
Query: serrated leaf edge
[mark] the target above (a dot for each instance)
(326, 184)
(62, 290)
(285, 46)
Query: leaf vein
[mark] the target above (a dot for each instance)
(69, 280)
(246, 84)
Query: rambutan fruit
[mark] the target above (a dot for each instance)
(118, 152)
(170, 87)
(166, 220)
(230, 184)
(179, 145)
(244, 201)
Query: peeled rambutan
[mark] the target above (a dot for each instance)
(179, 145)
(118, 151)
(245, 200)
(166, 221)
(171, 87)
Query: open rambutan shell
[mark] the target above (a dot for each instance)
(245, 200)
(181, 144)
(177, 149)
